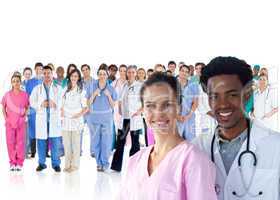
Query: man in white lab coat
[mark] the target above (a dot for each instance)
(246, 154)
(46, 99)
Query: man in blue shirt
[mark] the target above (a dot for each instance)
(30, 85)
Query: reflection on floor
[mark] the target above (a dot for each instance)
(85, 184)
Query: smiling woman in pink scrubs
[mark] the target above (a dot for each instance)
(14, 106)
(172, 168)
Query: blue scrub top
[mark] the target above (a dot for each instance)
(188, 94)
(100, 109)
(31, 84)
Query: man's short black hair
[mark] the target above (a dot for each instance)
(113, 66)
(26, 69)
(38, 64)
(85, 65)
(47, 67)
(171, 63)
(226, 66)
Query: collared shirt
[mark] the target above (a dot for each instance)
(188, 176)
(86, 82)
(264, 102)
(47, 89)
(130, 99)
(73, 102)
(229, 149)
(48, 110)
(100, 110)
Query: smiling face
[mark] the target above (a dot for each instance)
(122, 72)
(16, 83)
(74, 78)
(263, 81)
(160, 108)
(225, 100)
(172, 68)
(39, 70)
(27, 74)
(86, 71)
(141, 74)
(198, 70)
(48, 76)
(102, 75)
(184, 73)
(131, 74)
(60, 72)
(113, 71)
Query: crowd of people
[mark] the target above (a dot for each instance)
(166, 106)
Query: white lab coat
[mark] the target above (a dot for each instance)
(37, 97)
(265, 143)
(133, 105)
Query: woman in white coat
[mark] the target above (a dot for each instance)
(266, 103)
(130, 110)
(74, 106)
(46, 99)
(246, 154)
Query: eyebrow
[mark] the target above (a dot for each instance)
(164, 101)
(229, 91)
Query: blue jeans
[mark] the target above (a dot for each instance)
(55, 154)
(101, 142)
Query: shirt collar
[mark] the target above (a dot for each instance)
(241, 138)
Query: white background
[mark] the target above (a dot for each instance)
(132, 32)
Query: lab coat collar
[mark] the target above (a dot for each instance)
(258, 132)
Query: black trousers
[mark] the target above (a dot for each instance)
(120, 143)
(33, 146)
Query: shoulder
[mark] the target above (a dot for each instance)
(111, 88)
(195, 159)
(262, 132)
(5, 96)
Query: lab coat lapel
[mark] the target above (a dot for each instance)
(218, 161)
(255, 137)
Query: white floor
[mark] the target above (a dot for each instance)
(86, 184)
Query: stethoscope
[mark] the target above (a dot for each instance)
(249, 152)
(101, 90)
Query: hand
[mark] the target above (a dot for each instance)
(265, 116)
(180, 118)
(186, 117)
(76, 116)
(107, 93)
(96, 93)
(45, 104)
(52, 104)
(136, 114)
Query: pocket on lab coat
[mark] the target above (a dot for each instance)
(265, 185)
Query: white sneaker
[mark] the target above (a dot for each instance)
(12, 168)
(18, 168)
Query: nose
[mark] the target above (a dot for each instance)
(222, 102)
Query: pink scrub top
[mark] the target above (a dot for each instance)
(185, 173)
(15, 105)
